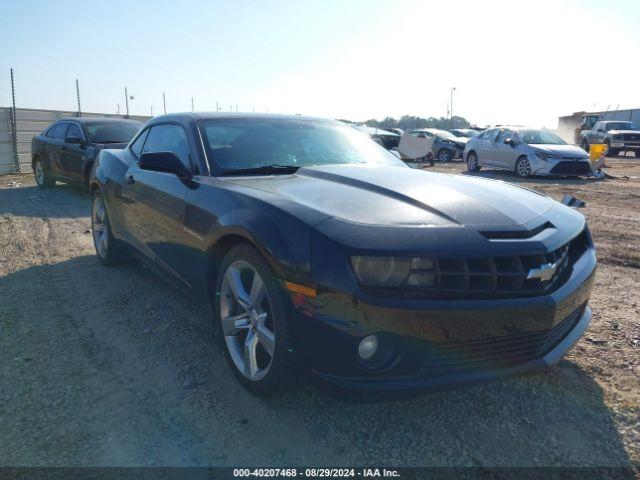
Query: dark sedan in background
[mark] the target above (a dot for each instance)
(318, 249)
(67, 149)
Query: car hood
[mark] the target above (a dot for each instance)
(620, 132)
(560, 150)
(400, 196)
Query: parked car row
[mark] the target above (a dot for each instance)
(315, 249)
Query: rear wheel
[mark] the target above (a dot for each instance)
(42, 174)
(251, 315)
(637, 153)
(110, 251)
(472, 162)
(523, 167)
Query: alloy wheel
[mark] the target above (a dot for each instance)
(247, 325)
(39, 173)
(523, 169)
(472, 162)
(444, 155)
(99, 226)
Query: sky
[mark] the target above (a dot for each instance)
(523, 62)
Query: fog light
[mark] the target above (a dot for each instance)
(368, 347)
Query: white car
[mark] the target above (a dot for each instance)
(525, 151)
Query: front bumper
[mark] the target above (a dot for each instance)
(328, 328)
(426, 382)
(560, 167)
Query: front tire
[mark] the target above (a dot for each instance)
(523, 167)
(472, 162)
(445, 155)
(109, 250)
(43, 176)
(251, 313)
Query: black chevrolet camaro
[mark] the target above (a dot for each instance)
(319, 250)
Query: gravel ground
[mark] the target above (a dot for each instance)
(111, 367)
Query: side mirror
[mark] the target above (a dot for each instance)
(510, 141)
(396, 153)
(73, 140)
(166, 162)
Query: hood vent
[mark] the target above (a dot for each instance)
(517, 234)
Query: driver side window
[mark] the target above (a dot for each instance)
(169, 138)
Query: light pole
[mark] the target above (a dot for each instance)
(164, 103)
(78, 96)
(126, 100)
(453, 89)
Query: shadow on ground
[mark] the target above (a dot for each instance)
(138, 358)
(28, 201)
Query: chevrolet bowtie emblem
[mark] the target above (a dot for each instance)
(543, 273)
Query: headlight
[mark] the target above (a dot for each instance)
(381, 271)
(546, 156)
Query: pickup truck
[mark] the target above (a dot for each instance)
(67, 149)
(617, 135)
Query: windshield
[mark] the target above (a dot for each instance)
(112, 132)
(242, 144)
(620, 126)
(540, 137)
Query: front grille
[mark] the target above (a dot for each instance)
(486, 277)
(631, 136)
(497, 352)
(571, 168)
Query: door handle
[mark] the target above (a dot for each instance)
(130, 180)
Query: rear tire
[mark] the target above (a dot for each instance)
(523, 167)
(257, 342)
(637, 153)
(43, 176)
(109, 250)
(472, 162)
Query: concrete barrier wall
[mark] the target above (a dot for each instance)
(30, 122)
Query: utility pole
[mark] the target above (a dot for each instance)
(152, 110)
(217, 107)
(453, 89)
(126, 100)
(14, 127)
(118, 110)
(78, 95)
(164, 103)
(236, 107)
(192, 105)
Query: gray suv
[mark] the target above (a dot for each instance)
(616, 135)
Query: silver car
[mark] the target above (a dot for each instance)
(525, 151)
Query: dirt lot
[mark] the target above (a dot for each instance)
(106, 366)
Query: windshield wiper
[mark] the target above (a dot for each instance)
(274, 168)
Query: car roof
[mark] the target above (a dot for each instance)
(97, 119)
(234, 115)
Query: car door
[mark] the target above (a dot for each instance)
(505, 156)
(153, 203)
(72, 154)
(598, 133)
(53, 149)
(486, 148)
